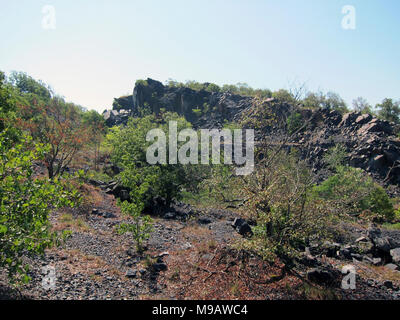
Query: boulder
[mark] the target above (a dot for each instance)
(131, 274)
(242, 227)
(160, 266)
(204, 220)
(322, 276)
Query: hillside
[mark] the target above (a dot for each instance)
(323, 195)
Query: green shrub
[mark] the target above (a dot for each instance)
(25, 206)
(140, 225)
(129, 147)
(294, 122)
(278, 195)
(335, 157)
(350, 191)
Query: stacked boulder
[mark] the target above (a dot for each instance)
(371, 143)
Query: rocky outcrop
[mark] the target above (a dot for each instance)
(116, 117)
(202, 108)
(369, 142)
(376, 247)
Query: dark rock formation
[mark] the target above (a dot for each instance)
(371, 143)
(152, 95)
(242, 227)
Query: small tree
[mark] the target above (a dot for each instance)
(278, 199)
(59, 125)
(95, 124)
(140, 225)
(25, 203)
(389, 110)
(351, 192)
(362, 105)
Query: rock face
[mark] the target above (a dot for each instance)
(371, 143)
(195, 106)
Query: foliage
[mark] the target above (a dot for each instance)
(240, 88)
(7, 111)
(330, 100)
(25, 205)
(335, 157)
(27, 85)
(129, 147)
(95, 124)
(140, 225)
(197, 112)
(283, 96)
(58, 124)
(361, 105)
(141, 82)
(220, 184)
(351, 192)
(294, 122)
(389, 110)
(278, 199)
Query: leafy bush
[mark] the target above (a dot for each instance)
(25, 206)
(279, 201)
(140, 225)
(389, 110)
(294, 122)
(335, 157)
(129, 147)
(350, 191)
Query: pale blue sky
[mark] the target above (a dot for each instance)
(101, 47)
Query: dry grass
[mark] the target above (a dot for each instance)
(196, 231)
(223, 275)
(67, 221)
(75, 261)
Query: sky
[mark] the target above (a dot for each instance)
(99, 48)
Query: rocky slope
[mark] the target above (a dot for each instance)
(190, 256)
(371, 143)
(152, 95)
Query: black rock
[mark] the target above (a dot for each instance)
(321, 276)
(159, 267)
(170, 215)
(131, 274)
(204, 220)
(242, 227)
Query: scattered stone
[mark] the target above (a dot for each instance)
(392, 266)
(204, 220)
(131, 274)
(362, 239)
(170, 215)
(388, 284)
(373, 261)
(395, 254)
(383, 244)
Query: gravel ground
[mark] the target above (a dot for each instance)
(96, 263)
